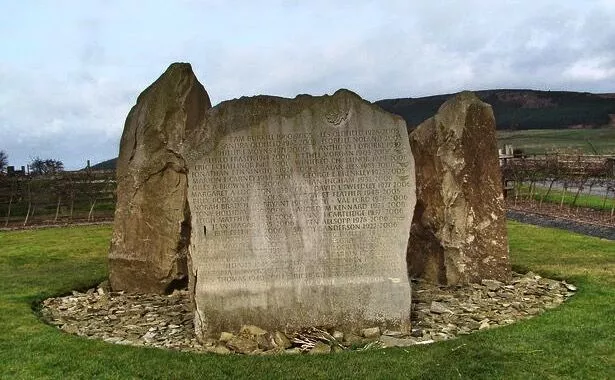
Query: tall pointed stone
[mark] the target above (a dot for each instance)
(152, 221)
(458, 232)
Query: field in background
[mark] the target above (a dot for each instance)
(89, 195)
(566, 197)
(573, 341)
(61, 198)
(560, 140)
(571, 186)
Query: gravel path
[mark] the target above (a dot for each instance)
(569, 225)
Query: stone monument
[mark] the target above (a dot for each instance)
(300, 214)
(296, 213)
(151, 228)
(459, 231)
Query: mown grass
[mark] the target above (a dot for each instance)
(573, 341)
(587, 141)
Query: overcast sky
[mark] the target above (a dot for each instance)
(71, 70)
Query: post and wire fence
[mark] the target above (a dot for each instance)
(64, 197)
(574, 186)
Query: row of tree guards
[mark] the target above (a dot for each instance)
(572, 183)
(568, 182)
(60, 198)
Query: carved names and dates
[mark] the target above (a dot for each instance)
(345, 177)
(301, 211)
(256, 192)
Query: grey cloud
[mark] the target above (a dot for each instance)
(404, 49)
(446, 48)
(46, 117)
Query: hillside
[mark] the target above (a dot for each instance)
(520, 109)
(514, 110)
(105, 165)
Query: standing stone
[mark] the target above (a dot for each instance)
(458, 232)
(301, 212)
(152, 220)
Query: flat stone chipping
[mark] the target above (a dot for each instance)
(438, 313)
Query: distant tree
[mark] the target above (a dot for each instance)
(39, 166)
(4, 161)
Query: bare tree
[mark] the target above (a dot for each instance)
(4, 161)
(48, 166)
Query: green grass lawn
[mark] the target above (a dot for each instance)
(562, 140)
(574, 341)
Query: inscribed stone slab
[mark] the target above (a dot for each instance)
(301, 211)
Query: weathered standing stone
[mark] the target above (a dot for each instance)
(301, 211)
(152, 221)
(458, 232)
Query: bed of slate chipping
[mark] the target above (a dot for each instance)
(438, 313)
